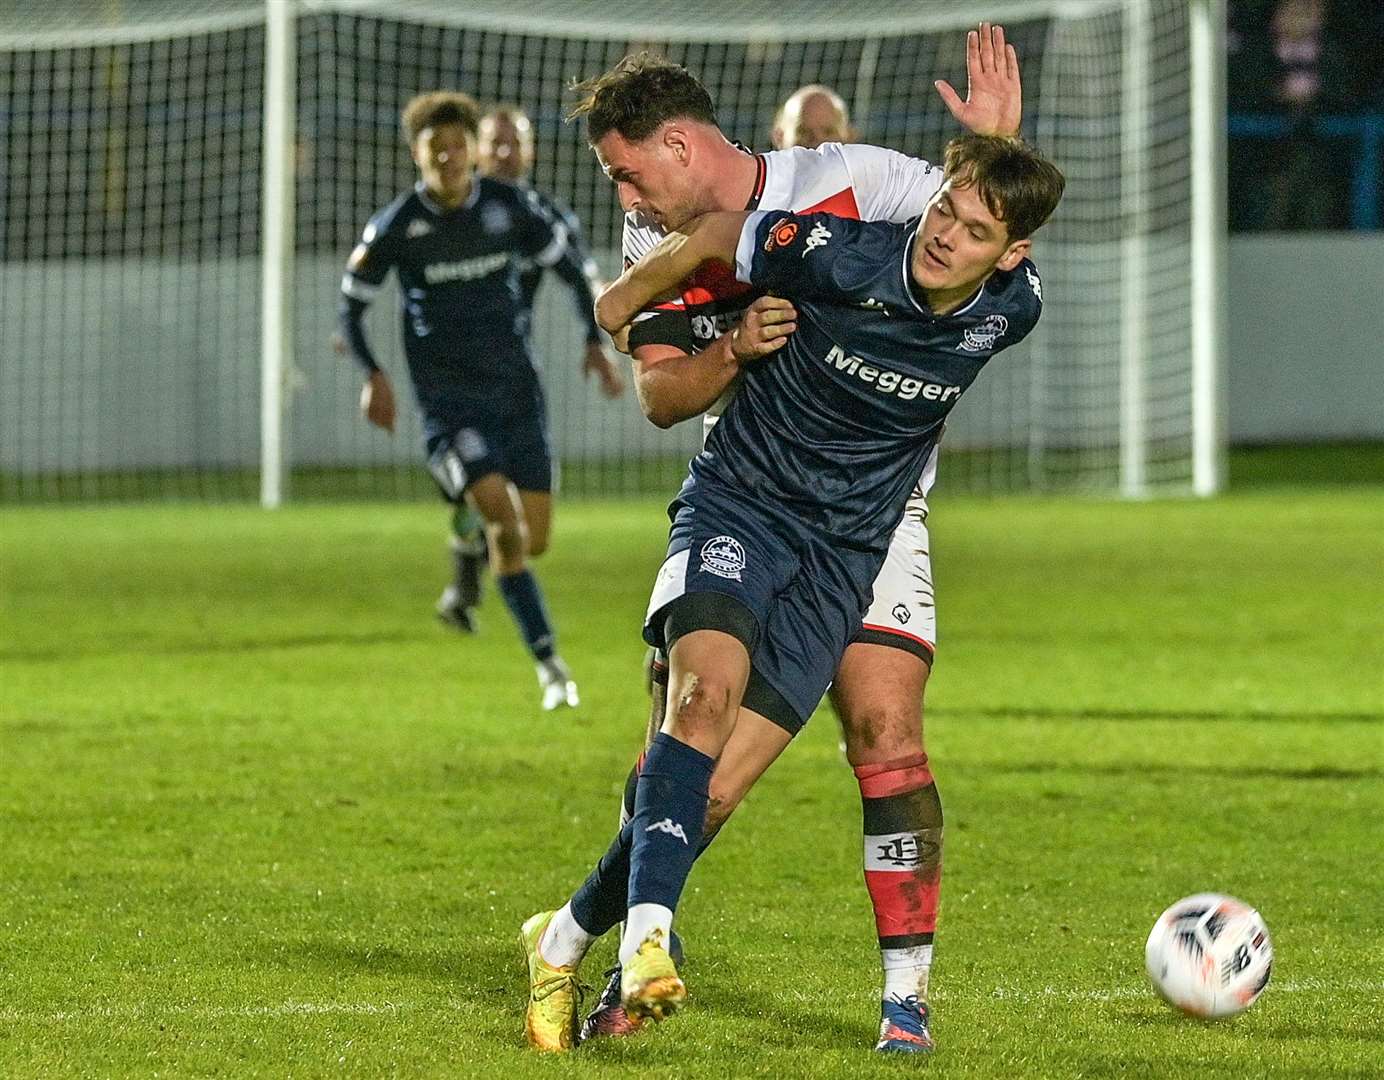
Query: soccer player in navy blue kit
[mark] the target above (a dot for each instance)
(458, 242)
(786, 515)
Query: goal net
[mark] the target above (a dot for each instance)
(135, 225)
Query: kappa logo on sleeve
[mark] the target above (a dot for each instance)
(818, 237)
(358, 257)
(781, 235)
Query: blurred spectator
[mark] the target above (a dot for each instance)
(1298, 60)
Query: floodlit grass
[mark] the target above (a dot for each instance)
(260, 816)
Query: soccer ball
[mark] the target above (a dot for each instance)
(1209, 955)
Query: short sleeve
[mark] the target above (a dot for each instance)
(371, 259)
(815, 256)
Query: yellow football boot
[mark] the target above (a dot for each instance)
(550, 1022)
(649, 985)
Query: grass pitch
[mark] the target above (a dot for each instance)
(260, 816)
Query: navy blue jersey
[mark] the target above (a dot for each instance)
(464, 320)
(576, 267)
(834, 428)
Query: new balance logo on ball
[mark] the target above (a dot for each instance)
(671, 827)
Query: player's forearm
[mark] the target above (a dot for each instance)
(352, 319)
(681, 387)
(572, 269)
(675, 257)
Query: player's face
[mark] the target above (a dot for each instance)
(506, 147)
(812, 121)
(654, 177)
(445, 156)
(960, 243)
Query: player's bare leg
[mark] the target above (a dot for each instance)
(507, 531)
(878, 697)
(538, 516)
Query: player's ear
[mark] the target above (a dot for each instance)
(679, 145)
(1014, 254)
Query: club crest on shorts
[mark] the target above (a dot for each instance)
(724, 557)
(781, 235)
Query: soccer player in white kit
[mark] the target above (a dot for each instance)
(654, 131)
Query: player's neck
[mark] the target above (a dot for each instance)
(451, 200)
(945, 301)
(735, 173)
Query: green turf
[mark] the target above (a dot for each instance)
(260, 817)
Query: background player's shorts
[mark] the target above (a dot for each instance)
(514, 446)
(903, 614)
(805, 597)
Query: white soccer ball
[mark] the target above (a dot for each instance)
(1209, 955)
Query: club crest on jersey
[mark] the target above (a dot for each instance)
(495, 219)
(781, 235)
(818, 237)
(416, 228)
(724, 557)
(983, 337)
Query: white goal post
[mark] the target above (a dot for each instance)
(237, 154)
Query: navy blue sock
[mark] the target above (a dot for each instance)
(525, 602)
(600, 902)
(669, 812)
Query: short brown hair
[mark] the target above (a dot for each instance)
(637, 95)
(440, 107)
(1018, 185)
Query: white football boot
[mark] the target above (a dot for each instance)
(556, 683)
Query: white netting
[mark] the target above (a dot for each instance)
(129, 292)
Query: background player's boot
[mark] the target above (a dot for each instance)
(649, 984)
(452, 610)
(609, 1016)
(556, 683)
(903, 1027)
(550, 1021)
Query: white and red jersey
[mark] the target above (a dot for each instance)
(868, 183)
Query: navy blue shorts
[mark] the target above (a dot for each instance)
(515, 446)
(794, 599)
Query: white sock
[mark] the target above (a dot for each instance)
(906, 971)
(641, 921)
(564, 942)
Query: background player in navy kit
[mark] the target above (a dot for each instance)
(788, 512)
(505, 151)
(654, 129)
(456, 241)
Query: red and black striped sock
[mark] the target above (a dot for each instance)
(903, 866)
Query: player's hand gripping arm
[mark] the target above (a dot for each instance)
(994, 96)
(673, 385)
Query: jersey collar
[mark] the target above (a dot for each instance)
(439, 210)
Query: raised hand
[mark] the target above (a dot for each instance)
(994, 96)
